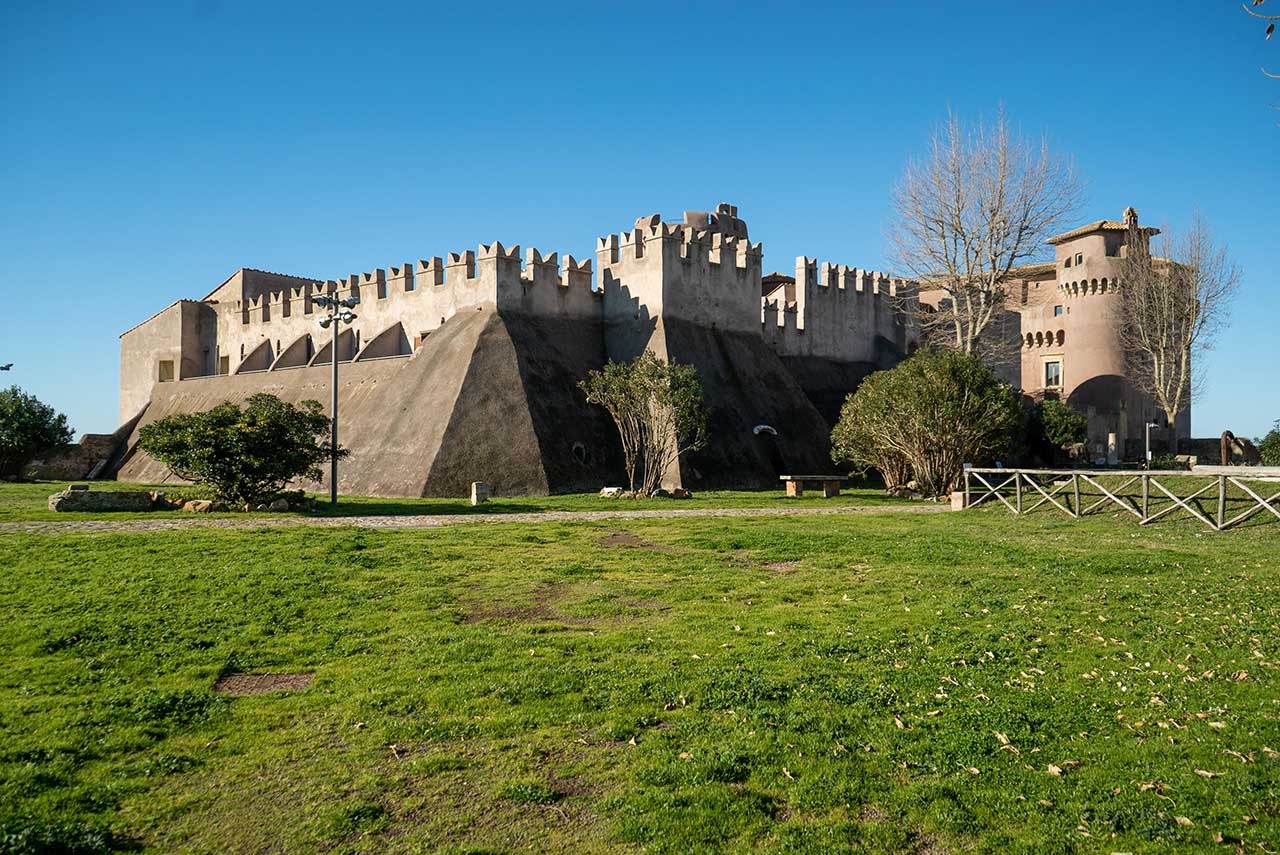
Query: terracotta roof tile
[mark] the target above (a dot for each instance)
(1099, 226)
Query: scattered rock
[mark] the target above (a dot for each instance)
(681, 493)
(279, 505)
(198, 506)
(480, 492)
(907, 492)
(611, 492)
(661, 494)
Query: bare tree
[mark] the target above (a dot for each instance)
(1269, 31)
(1171, 310)
(980, 204)
(658, 410)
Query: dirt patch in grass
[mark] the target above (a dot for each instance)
(240, 685)
(628, 540)
(477, 612)
(543, 609)
(871, 813)
(472, 818)
(927, 844)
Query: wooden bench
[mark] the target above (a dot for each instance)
(830, 484)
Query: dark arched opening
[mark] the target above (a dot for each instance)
(767, 440)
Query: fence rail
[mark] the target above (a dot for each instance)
(1076, 492)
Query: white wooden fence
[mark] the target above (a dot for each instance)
(1148, 495)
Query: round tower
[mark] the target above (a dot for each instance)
(1091, 366)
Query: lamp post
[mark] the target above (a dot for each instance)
(338, 312)
(1147, 432)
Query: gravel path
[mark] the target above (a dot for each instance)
(420, 521)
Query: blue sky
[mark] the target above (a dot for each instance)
(150, 150)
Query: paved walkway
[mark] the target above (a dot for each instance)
(420, 521)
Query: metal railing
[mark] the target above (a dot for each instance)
(1157, 495)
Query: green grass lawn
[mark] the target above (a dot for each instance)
(893, 683)
(30, 501)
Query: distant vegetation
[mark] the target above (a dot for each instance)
(28, 428)
(1269, 446)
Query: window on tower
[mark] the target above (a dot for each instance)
(1053, 374)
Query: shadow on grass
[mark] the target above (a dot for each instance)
(421, 507)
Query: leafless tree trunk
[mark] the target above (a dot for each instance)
(1171, 310)
(982, 202)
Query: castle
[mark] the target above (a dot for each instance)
(1065, 320)
(466, 367)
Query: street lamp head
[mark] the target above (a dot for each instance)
(351, 302)
(322, 301)
(324, 322)
(347, 317)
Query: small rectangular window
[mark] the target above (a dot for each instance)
(224, 364)
(1057, 311)
(1079, 258)
(1053, 375)
(1067, 263)
(166, 370)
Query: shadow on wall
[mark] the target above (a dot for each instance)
(1101, 393)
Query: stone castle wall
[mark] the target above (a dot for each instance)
(841, 314)
(490, 332)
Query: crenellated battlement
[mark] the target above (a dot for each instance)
(703, 269)
(838, 312)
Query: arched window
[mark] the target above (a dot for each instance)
(1061, 337)
(1039, 339)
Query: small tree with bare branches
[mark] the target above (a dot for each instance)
(658, 410)
(981, 203)
(1171, 309)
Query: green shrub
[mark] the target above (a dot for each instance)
(1063, 424)
(925, 419)
(1167, 462)
(243, 454)
(1269, 446)
(28, 427)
